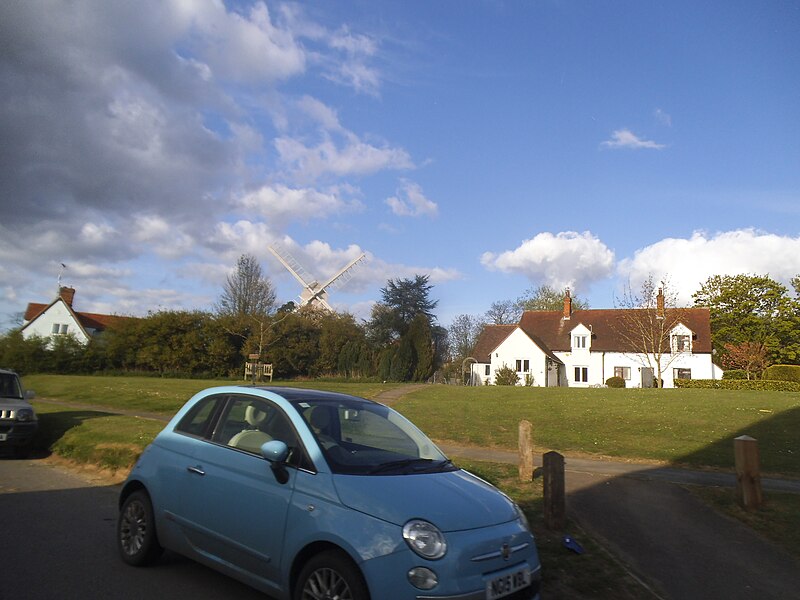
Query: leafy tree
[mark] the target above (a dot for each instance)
(545, 297)
(337, 333)
(246, 291)
(402, 365)
(750, 357)
(23, 355)
(419, 335)
(752, 308)
(408, 298)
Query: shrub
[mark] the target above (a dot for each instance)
(783, 373)
(505, 375)
(763, 385)
(529, 380)
(615, 382)
(735, 374)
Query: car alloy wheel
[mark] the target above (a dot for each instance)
(136, 534)
(331, 576)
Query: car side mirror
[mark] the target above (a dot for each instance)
(276, 452)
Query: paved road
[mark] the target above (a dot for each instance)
(57, 541)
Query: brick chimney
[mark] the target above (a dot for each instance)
(67, 294)
(567, 305)
(660, 304)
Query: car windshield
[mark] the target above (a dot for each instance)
(9, 386)
(364, 438)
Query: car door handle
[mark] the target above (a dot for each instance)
(196, 470)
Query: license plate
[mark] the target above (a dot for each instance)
(508, 583)
(3, 437)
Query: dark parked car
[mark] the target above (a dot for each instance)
(17, 418)
(314, 495)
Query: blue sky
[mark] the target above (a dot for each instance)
(494, 146)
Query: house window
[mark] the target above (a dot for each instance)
(681, 343)
(60, 329)
(582, 374)
(64, 328)
(523, 366)
(488, 370)
(55, 329)
(579, 341)
(681, 373)
(624, 372)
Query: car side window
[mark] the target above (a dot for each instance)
(250, 422)
(199, 420)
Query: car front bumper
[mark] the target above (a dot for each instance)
(16, 433)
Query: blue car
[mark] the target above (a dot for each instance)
(314, 495)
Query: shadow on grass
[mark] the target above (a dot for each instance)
(777, 437)
(53, 426)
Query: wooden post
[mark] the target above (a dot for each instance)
(555, 512)
(748, 473)
(525, 451)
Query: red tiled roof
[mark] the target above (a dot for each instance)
(87, 320)
(490, 338)
(606, 326)
(551, 332)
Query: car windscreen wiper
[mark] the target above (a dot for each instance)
(400, 464)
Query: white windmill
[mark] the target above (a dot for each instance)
(314, 293)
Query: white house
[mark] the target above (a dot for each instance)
(59, 318)
(584, 348)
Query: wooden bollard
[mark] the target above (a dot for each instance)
(525, 451)
(748, 473)
(555, 511)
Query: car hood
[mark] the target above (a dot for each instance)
(453, 501)
(13, 403)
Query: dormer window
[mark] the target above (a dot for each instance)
(580, 341)
(680, 339)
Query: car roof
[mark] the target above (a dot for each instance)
(8, 372)
(295, 395)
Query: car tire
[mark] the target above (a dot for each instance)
(330, 575)
(137, 539)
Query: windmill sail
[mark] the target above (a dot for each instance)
(314, 293)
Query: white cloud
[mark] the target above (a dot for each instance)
(281, 204)
(688, 263)
(410, 201)
(566, 259)
(354, 157)
(625, 138)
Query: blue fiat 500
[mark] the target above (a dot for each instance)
(315, 495)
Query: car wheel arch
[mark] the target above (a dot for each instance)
(310, 551)
(134, 485)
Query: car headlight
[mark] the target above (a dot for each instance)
(25, 414)
(425, 539)
(522, 517)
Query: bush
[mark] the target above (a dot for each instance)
(505, 375)
(783, 373)
(735, 374)
(764, 385)
(615, 382)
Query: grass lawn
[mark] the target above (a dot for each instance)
(164, 396)
(685, 427)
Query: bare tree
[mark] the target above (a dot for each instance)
(645, 324)
(463, 334)
(503, 312)
(246, 292)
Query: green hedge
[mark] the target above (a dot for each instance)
(783, 373)
(765, 385)
(734, 374)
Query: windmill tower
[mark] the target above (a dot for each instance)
(314, 293)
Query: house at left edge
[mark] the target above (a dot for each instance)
(60, 318)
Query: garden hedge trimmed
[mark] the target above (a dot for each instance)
(765, 385)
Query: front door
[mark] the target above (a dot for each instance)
(647, 377)
(234, 509)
